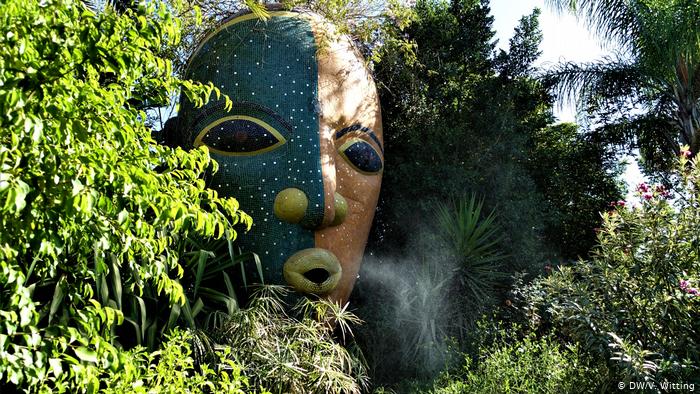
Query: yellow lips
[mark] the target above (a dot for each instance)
(313, 270)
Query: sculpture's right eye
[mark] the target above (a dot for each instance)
(361, 156)
(239, 135)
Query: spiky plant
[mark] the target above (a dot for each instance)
(472, 241)
(290, 351)
(420, 303)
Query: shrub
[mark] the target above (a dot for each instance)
(93, 213)
(172, 369)
(529, 365)
(635, 301)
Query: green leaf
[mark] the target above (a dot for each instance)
(77, 187)
(142, 314)
(55, 366)
(86, 354)
(198, 305)
(18, 195)
(201, 265)
(152, 335)
(137, 330)
(116, 283)
(172, 318)
(187, 314)
(57, 299)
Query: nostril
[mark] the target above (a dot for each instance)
(341, 210)
(317, 275)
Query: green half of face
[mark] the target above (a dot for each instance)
(269, 141)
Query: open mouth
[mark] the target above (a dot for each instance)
(313, 270)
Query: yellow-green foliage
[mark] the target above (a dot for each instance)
(86, 197)
(529, 365)
(172, 370)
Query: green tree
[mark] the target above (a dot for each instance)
(457, 121)
(577, 176)
(462, 119)
(647, 95)
(92, 211)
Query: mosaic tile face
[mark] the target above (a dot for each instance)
(287, 148)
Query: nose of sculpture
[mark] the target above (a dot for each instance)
(291, 206)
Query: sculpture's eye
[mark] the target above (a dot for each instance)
(362, 156)
(239, 135)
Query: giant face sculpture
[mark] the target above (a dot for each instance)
(301, 149)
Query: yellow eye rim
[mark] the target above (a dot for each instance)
(280, 139)
(353, 141)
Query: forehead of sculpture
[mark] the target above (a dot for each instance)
(346, 91)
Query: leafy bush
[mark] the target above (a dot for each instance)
(635, 302)
(262, 345)
(211, 286)
(93, 213)
(529, 365)
(172, 369)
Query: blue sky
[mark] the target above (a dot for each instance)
(564, 38)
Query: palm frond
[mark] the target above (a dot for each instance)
(612, 20)
(611, 78)
(653, 133)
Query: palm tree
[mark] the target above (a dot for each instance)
(646, 95)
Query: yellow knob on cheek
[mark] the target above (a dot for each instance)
(290, 205)
(341, 210)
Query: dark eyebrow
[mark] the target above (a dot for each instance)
(358, 127)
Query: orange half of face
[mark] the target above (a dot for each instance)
(352, 153)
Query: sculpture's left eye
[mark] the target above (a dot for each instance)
(239, 135)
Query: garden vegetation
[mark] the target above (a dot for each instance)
(527, 271)
(108, 239)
